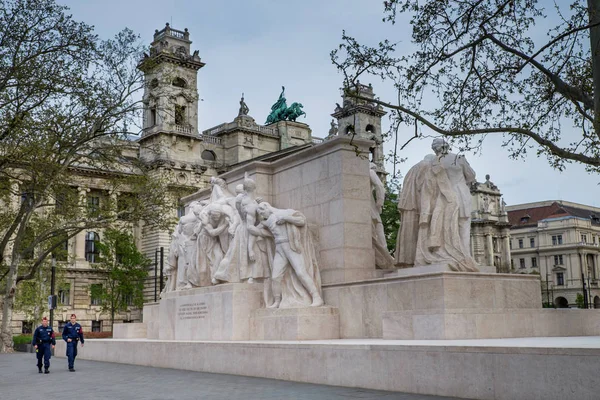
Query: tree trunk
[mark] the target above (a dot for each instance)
(112, 319)
(8, 299)
(594, 19)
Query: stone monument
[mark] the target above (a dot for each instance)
(435, 204)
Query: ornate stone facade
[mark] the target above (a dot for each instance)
(173, 148)
(560, 241)
(490, 229)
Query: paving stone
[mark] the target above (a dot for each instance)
(19, 379)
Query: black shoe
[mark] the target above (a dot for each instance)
(39, 370)
(72, 369)
(46, 371)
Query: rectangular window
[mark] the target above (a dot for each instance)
(128, 299)
(556, 240)
(66, 199)
(520, 243)
(558, 260)
(96, 294)
(533, 262)
(27, 197)
(125, 205)
(153, 116)
(521, 263)
(27, 327)
(531, 242)
(64, 295)
(584, 239)
(96, 326)
(61, 327)
(91, 249)
(93, 203)
(180, 211)
(560, 279)
(179, 115)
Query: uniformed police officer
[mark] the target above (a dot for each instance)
(43, 339)
(72, 333)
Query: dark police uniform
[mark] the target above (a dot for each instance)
(75, 333)
(43, 337)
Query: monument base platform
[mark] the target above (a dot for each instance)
(489, 323)
(130, 331)
(430, 269)
(307, 323)
(220, 312)
(493, 369)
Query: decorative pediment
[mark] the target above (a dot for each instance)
(558, 268)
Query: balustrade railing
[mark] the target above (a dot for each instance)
(211, 139)
(183, 129)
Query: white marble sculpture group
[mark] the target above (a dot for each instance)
(239, 238)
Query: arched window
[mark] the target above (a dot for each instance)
(350, 130)
(370, 129)
(153, 83)
(179, 82)
(561, 302)
(209, 155)
(91, 249)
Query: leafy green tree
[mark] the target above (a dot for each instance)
(32, 296)
(579, 300)
(67, 106)
(124, 269)
(390, 215)
(526, 70)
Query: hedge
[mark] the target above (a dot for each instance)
(22, 339)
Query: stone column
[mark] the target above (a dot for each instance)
(112, 198)
(489, 255)
(506, 252)
(80, 237)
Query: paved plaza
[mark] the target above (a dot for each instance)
(98, 380)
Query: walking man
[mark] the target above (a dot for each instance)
(72, 334)
(43, 338)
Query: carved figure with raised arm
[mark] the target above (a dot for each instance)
(295, 277)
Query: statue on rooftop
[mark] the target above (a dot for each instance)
(281, 112)
(294, 111)
(244, 110)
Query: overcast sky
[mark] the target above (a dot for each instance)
(257, 46)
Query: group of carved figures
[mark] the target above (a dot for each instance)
(240, 238)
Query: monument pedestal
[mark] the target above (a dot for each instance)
(232, 311)
(219, 312)
(309, 323)
(452, 305)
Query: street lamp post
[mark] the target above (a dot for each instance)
(162, 255)
(52, 300)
